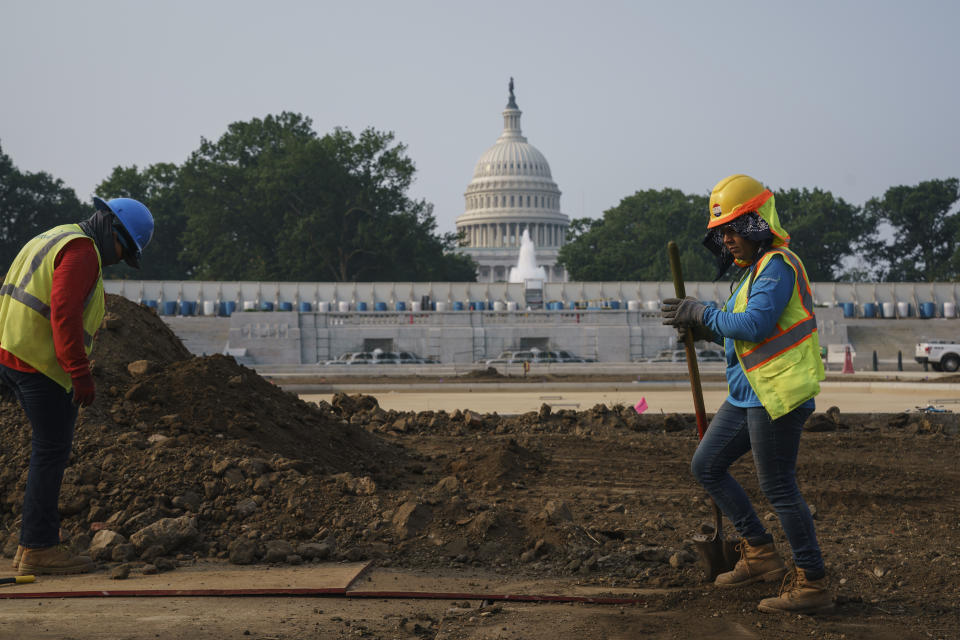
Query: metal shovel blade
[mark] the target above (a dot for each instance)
(717, 553)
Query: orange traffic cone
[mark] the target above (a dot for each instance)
(847, 361)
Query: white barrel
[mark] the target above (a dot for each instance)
(511, 305)
(652, 305)
(633, 305)
(949, 310)
(249, 305)
(499, 305)
(343, 306)
(441, 306)
(209, 307)
(414, 306)
(903, 309)
(323, 307)
(889, 310)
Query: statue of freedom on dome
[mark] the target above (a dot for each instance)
(512, 102)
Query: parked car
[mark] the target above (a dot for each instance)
(354, 357)
(710, 355)
(535, 356)
(408, 357)
(670, 355)
(385, 357)
(378, 357)
(680, 355)
(567, 356)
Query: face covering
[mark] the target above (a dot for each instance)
(749, 225)
(99, 226)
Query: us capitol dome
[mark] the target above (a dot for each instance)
(512, 191)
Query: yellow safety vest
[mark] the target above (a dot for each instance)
(25, 329)
(785, 369)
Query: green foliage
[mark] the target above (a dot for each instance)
(270, 200)
(630, 241)
(926, 232)
(823, 230)
(157, 186)
(31, 203)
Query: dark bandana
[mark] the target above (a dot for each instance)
(750, 225)
(99, 226)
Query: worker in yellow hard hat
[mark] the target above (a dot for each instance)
(769, 332)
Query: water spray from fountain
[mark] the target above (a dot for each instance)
(527, 268)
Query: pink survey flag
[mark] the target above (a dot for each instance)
(641, 406)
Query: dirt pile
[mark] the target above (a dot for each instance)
(172, 436)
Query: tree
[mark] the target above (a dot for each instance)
(925, 232)
(271, 200)
(630, 241)
(157, 186)
(359, 224)
(824, 231)
(233, 217)
(30, 204)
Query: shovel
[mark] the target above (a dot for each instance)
(717, 553)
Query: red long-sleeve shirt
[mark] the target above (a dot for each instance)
(75, 273)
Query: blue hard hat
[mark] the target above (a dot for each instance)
(136, 219)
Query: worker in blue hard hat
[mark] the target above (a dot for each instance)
(51, 305)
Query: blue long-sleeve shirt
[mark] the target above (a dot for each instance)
(769, 296)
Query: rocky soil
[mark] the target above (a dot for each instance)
(183, 458)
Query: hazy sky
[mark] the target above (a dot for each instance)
(849, 96)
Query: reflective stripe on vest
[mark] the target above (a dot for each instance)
(791, 336)
(21, 295)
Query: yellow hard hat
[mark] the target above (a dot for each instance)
(734, 196)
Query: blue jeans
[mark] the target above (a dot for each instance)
(52, 414)
(733, 432)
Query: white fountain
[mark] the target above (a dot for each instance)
(526, 268)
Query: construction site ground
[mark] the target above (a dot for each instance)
(442, 508)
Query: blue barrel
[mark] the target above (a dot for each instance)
(928, 309)
(150, 303)
(849, 310)
(400, 305)
(869, 310)
(170, 308)
(361, 306)
(266, 306)
(228, 307)
(614, 304)
(457, 305)
(305, 307)
(380, 306)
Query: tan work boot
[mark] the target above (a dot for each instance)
(56, 561)
(800, 596)
(16, 557)
(756, 564)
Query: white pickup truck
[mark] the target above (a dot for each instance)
(941, 355)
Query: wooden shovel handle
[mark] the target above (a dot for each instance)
(692, 367)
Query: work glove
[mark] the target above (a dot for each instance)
(700, 332)
(685, 312)
(84, 390)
